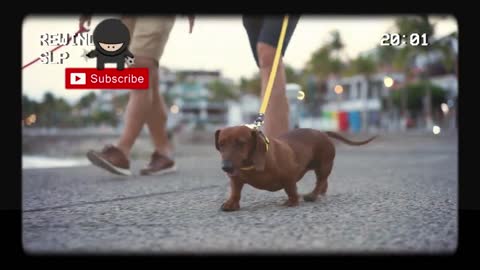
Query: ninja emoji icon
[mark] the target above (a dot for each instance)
(111, 38)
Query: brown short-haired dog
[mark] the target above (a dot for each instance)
(248, 157)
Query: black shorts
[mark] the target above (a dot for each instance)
(267, 29)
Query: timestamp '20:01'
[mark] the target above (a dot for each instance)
(395, 39)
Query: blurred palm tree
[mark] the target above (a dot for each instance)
(336, 48)
(120, 102)
(320, 62)
(291, 75)
(53, 111)
(406, 26)
(402, 62)
(320, 66)
(85, 104)
(336, 43)
(86, 101)
(386, 56)
(47, 107)
(251, 85)
(299, 77)
(366, 66)
(243, 83)
(221, 91)
(423, 24)
(324, 62)
(29, 107)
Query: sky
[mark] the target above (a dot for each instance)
(217, 43)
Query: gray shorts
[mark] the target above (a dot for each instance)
(267, 29)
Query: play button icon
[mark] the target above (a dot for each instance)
(78, 78)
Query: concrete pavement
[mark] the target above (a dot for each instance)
(398, 194)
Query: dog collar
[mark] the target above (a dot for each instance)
(265, 139)
(251, 126)
(247, 168)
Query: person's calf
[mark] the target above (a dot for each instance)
(157, 122)
(277, 115)
(139, 106)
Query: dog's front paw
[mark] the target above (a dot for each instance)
(229, 206)
(291, 203)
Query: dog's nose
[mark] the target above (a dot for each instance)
(227, 166)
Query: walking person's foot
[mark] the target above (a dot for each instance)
(112, 159)
(159, 164)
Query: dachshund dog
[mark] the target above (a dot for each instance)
(249, 157)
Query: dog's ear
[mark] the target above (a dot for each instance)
(260, 151)
(217, 133)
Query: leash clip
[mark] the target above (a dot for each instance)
(259, 120)
(257, 124)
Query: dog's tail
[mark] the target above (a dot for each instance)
(347, 141)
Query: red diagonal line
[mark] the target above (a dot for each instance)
(54, 49)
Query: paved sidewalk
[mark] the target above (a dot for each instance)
(398, 194)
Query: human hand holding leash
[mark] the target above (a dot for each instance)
(84, 19)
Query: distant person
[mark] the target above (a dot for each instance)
(149, 36)
(263, 34)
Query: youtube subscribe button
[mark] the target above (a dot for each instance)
(108, 78)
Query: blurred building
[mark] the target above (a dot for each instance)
(202, 77)
(249, 105)
(440, 64)
(104, 101)
(359, 99)
(190, 100)
(448, 82)
(167, 79)
(192, 104)
(357, 103)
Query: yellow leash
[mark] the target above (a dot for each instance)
(273, 74)
(268, 91)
